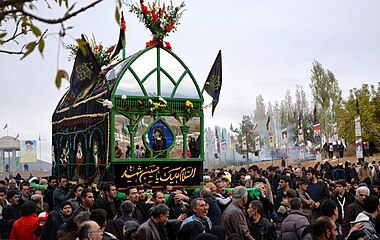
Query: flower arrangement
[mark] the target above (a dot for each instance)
(137, 112)
(160, 20)
(190, 112)
(102, 54)
(154, 107)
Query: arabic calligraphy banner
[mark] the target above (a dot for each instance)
(178, 174)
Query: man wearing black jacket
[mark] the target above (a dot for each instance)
(317, 190)
(109, 202)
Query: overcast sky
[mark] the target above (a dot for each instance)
(268, 46)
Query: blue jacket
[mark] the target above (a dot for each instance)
(338, 174)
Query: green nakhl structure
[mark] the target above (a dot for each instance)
(152, 134)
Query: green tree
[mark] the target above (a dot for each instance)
(326, 94)
(369, 104)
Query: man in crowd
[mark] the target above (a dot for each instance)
(90, 230)
(198, 222)
(60, 192)
(25, 194)
(233, 219)
(11, 213)
(324, 229)
(353, 209)
(154, 228)
(222, 197)
(365, 174)
(254, 172)
(342, 199)
(133, 195)
(127, 208)
(87, 201)
(368, 215)
(13, 185)
(48, 194)
(268, 207)
(280, 196)
(77, 199)
(3, 201)
(317, 190)
(273, 177)
(294, 224)
(260, 227)
(109, 202)
(240, 179)
(118, 152)
(298, 174)
(214, 212)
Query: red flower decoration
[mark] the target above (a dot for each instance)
(155, 17)
(174, 114)
(110, 49)
(170, 27)
(128, 107)
(150, 43)
(148, 112)
(123, 25)
(141, 1)
(168, 46)
(145, 9)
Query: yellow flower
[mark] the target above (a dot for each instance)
(188, 110)
(189, 104)
(155, 105)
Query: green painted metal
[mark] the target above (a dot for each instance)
(175, 103)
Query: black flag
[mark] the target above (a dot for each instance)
(357, 106)
(315, 114)
(121, 43)
(213, 82)
(85, 69)
(268, 121)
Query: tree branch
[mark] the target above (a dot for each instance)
(54, 21)
(15, 34)
(12, 52)
(5, 3)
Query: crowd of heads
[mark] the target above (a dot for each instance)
(320, 202)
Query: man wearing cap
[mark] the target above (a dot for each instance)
(234, 217)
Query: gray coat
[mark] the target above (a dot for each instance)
(59, 196)
(293, 225)
(234, 221)
(150, 231)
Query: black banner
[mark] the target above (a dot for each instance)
(213, 82)
(85, 69)
(178, 174)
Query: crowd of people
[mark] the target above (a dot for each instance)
(320, 202)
